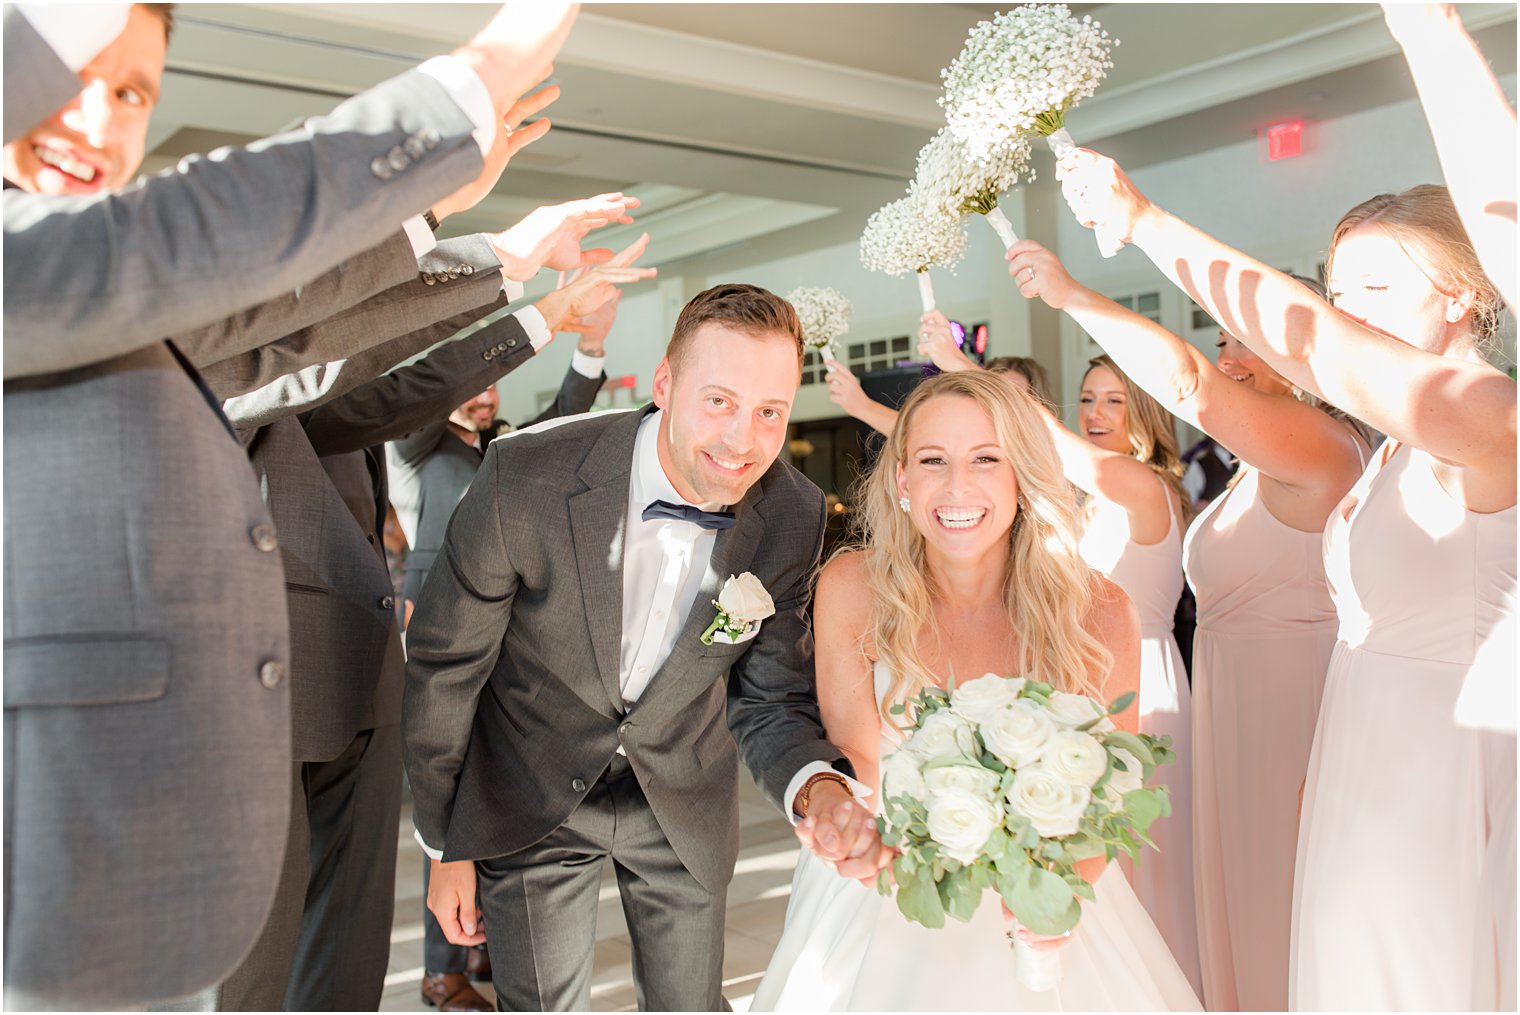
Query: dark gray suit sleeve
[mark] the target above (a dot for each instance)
(401, 401)
(37, 82)
(91, 278)
(315, 385)
(452, 645)
(380, 295)
(576, 393)
(409, 451)
(772, 690)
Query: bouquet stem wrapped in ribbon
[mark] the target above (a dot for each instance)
(1007, 784)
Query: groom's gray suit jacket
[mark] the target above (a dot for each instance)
(513, 706)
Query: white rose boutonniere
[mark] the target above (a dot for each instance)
(742, 604)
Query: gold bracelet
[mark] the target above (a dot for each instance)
(800, 806)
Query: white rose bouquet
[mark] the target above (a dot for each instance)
(910, 235)
(1007, 783)
(1019, 74)
(824, 315)
(953, 181)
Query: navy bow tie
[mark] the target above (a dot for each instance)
(687, 513)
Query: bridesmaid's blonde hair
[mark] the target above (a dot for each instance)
(1049, 590)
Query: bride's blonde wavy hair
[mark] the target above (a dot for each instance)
(1049, 591)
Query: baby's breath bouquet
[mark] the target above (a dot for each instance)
(909, 235)
(1019, 74)
(824, 315)
(955, 182)
(1007, 783)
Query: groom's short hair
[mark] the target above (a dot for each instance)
(746, 308)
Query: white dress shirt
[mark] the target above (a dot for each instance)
(664, 562)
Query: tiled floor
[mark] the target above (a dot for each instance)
(756, 905)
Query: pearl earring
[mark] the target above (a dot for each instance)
(902, 502)
(1454, 313)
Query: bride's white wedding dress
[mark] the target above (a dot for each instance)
(847, 948)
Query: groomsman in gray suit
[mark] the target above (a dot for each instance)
(327, 941)
(562, 704)
(146, 637)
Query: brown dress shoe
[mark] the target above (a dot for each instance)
(478, 965)
(452, 992)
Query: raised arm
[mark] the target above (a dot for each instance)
(845, 391)
(1460, 411)
(1115, 477)
(1291, 441)
(1473, 125)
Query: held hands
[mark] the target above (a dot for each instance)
(841, 832)
(551, 236)
(936, 341)
(1100, 194)
(593, 288)
(1038, 272)
(451, 897)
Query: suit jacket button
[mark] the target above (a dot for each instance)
(453, 273)
(429, 138)
(398, 159)
(272, 673)
(263, 537)
(488, 354)
(428, 279)
(466, 269)
(624, 729)
(511, 343)
(388, 603)
(579, 785)
(413, 147)
(381, 168)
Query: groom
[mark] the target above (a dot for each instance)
(561, 704)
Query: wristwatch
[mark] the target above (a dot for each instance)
(800, 805)
(430, 219)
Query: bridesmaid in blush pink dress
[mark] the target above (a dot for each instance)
(1420, 557)
(1125, 459)
(1265, 621)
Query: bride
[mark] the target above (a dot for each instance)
(969, 565)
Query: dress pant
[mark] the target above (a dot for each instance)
(547, 894)
(326, 944)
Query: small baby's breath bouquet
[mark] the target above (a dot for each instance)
(824, 314)
(907, 235)
(955, 182)
(1007, 783)
(1020, 73)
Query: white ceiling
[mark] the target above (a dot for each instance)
(754, 131)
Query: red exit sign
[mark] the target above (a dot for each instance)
(1283, 140)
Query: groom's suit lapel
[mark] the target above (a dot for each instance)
(598, 516)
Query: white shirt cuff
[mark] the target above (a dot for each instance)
(806, 772)
(420, 235)
(77, 32)
(436, 854)
(512, 290)
(587, 365)
(465, 87)
(534, 324)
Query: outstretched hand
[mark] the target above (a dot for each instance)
(593, 288)
(509, 141)
(1100, 194)
(550, 236)
(1039, 273)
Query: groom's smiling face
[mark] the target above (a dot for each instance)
(727, 400)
